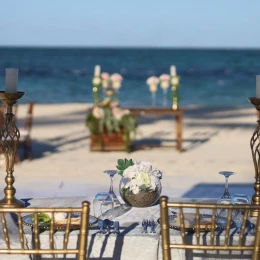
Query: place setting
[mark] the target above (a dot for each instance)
(205, 220)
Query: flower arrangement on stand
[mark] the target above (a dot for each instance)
(107, 121)
(175, 83)
(153, 82)
(140, 184)
(97, 86)
(165, 83)
(116, 80)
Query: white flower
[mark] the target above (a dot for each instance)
(105, 76)
(143, 179)
(129, 172)
(116, 84)
(141, 176)
(105, 83)
(165, 84)
(116, 77)
(165, 77)
(152, 81)
(117, 113)
(135, 190)
(98, 112)
(175, 81)
(153, 182)
(96, 81)
(153, 88)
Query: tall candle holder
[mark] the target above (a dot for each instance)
(255, 148)
(9, 142)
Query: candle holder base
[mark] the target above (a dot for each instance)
(11, 203)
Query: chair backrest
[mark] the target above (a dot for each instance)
(81, 251)
(167, 245)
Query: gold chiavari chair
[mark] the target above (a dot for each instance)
(167, 245)
(80, 251)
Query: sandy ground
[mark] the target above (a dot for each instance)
(214, 139)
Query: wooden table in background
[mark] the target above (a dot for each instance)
(178, 113)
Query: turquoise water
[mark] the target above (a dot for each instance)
(63, 75)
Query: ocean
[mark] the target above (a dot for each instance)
(209, 77)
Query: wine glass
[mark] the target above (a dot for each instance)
(222, 214)
(111, 174)
(239, 199)
(106, 201)
(102, 202)
(226, 197)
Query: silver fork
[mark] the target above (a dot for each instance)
(144, 225)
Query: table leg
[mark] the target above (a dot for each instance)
(179, 132)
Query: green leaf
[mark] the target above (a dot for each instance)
(143, 187)
(121, 173)
(120, 168)
(121, 162)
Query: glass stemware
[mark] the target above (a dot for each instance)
(226, 197)
(239, 199)
(165, 97)
(104, 203)
(111, 174)
(222, 214)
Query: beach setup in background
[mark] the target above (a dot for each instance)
(141, 183)
(130, 130)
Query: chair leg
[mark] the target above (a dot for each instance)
(28, 149)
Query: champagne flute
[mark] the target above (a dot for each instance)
(222, 214)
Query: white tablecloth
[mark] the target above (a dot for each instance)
(130, 244)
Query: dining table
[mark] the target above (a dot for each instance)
(131, 243)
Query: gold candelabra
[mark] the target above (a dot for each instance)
(9, 143)
(255, 148)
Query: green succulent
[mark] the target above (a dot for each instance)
(123, 164)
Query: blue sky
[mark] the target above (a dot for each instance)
(154, 23)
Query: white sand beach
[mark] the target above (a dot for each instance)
(214, 139)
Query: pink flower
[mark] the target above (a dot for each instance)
(116, 77)
(104, 76)
(165, 77)
(152, 81)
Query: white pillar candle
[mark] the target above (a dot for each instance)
(11, 80)
(97, 71)
(173, 71)
(258, 86)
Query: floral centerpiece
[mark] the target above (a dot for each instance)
(116, 80)
(107, 117)
(152, 82)
(140, 184)
(165, 81)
